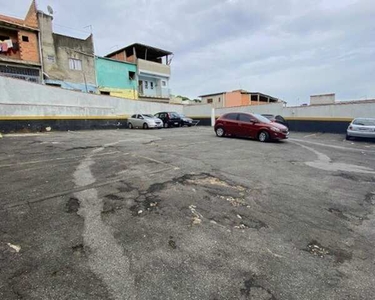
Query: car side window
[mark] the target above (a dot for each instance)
(133, 116)
(231, 117)
(245, 118)
(140, 117)
(280, 119)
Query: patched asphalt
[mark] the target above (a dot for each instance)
(181, 214)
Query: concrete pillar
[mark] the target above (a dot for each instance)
(213, 117)
(258, 98)
(268, 100)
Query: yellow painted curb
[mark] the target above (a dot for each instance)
(14, 118)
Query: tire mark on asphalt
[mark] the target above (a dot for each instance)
(106, 257)
(325, 163)
(297, 141)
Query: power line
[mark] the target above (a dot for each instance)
(74, 29)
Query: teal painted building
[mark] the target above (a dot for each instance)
(116, 78)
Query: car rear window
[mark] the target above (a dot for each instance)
(134, 116)
(364, 122)
(230, 117)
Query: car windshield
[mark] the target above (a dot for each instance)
(364, 122)
(182, 116)
(174, 115)
(261, 118)
(149, 116)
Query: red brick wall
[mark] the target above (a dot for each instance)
(29, 50)
(31, 19)
(119, 56)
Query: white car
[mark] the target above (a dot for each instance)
(144, 121)
(361, 127)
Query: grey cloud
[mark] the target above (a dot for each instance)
(287, 48)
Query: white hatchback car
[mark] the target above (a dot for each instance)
(361, 127)
(144, 121)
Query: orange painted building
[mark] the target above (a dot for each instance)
(19, 46)
(237, 98)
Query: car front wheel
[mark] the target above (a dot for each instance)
(263, 136)
(145, 126)
(220, 132)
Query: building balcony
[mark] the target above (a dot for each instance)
(154, 68)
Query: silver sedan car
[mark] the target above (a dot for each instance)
(144, 121)
(361, 127)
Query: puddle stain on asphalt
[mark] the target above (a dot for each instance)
(106, 257)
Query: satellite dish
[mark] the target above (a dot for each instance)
(50, 10)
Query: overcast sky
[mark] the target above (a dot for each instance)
(289, 49)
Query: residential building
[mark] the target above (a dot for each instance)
(68, 62)
(153, 70)
(19, 46)
(237, 98)
(116, 78)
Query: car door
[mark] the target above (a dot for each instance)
(246, 125)
(230, 123)
(140, 121)
(132, 120)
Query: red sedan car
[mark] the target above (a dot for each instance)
(250, 125)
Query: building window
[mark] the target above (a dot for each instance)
(131, 75)
(146, 84)
(151, 85)
(209, 100)
(219, 99)
(25, 38)
(163, 83)
(75, 64)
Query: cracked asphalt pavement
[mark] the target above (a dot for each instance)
(182, 214)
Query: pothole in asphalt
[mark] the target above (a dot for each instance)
(78, 250)
(253, 290)
(144, 204)
(370, 198)
(236, 202)
(315, 248)
(72, 206)
(202, 199)
(207, 180)
(172, 243)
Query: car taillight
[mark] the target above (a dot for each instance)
(169, 115)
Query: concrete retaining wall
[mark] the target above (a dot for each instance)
(24, 104)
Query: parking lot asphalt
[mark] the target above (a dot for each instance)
(182, 214)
